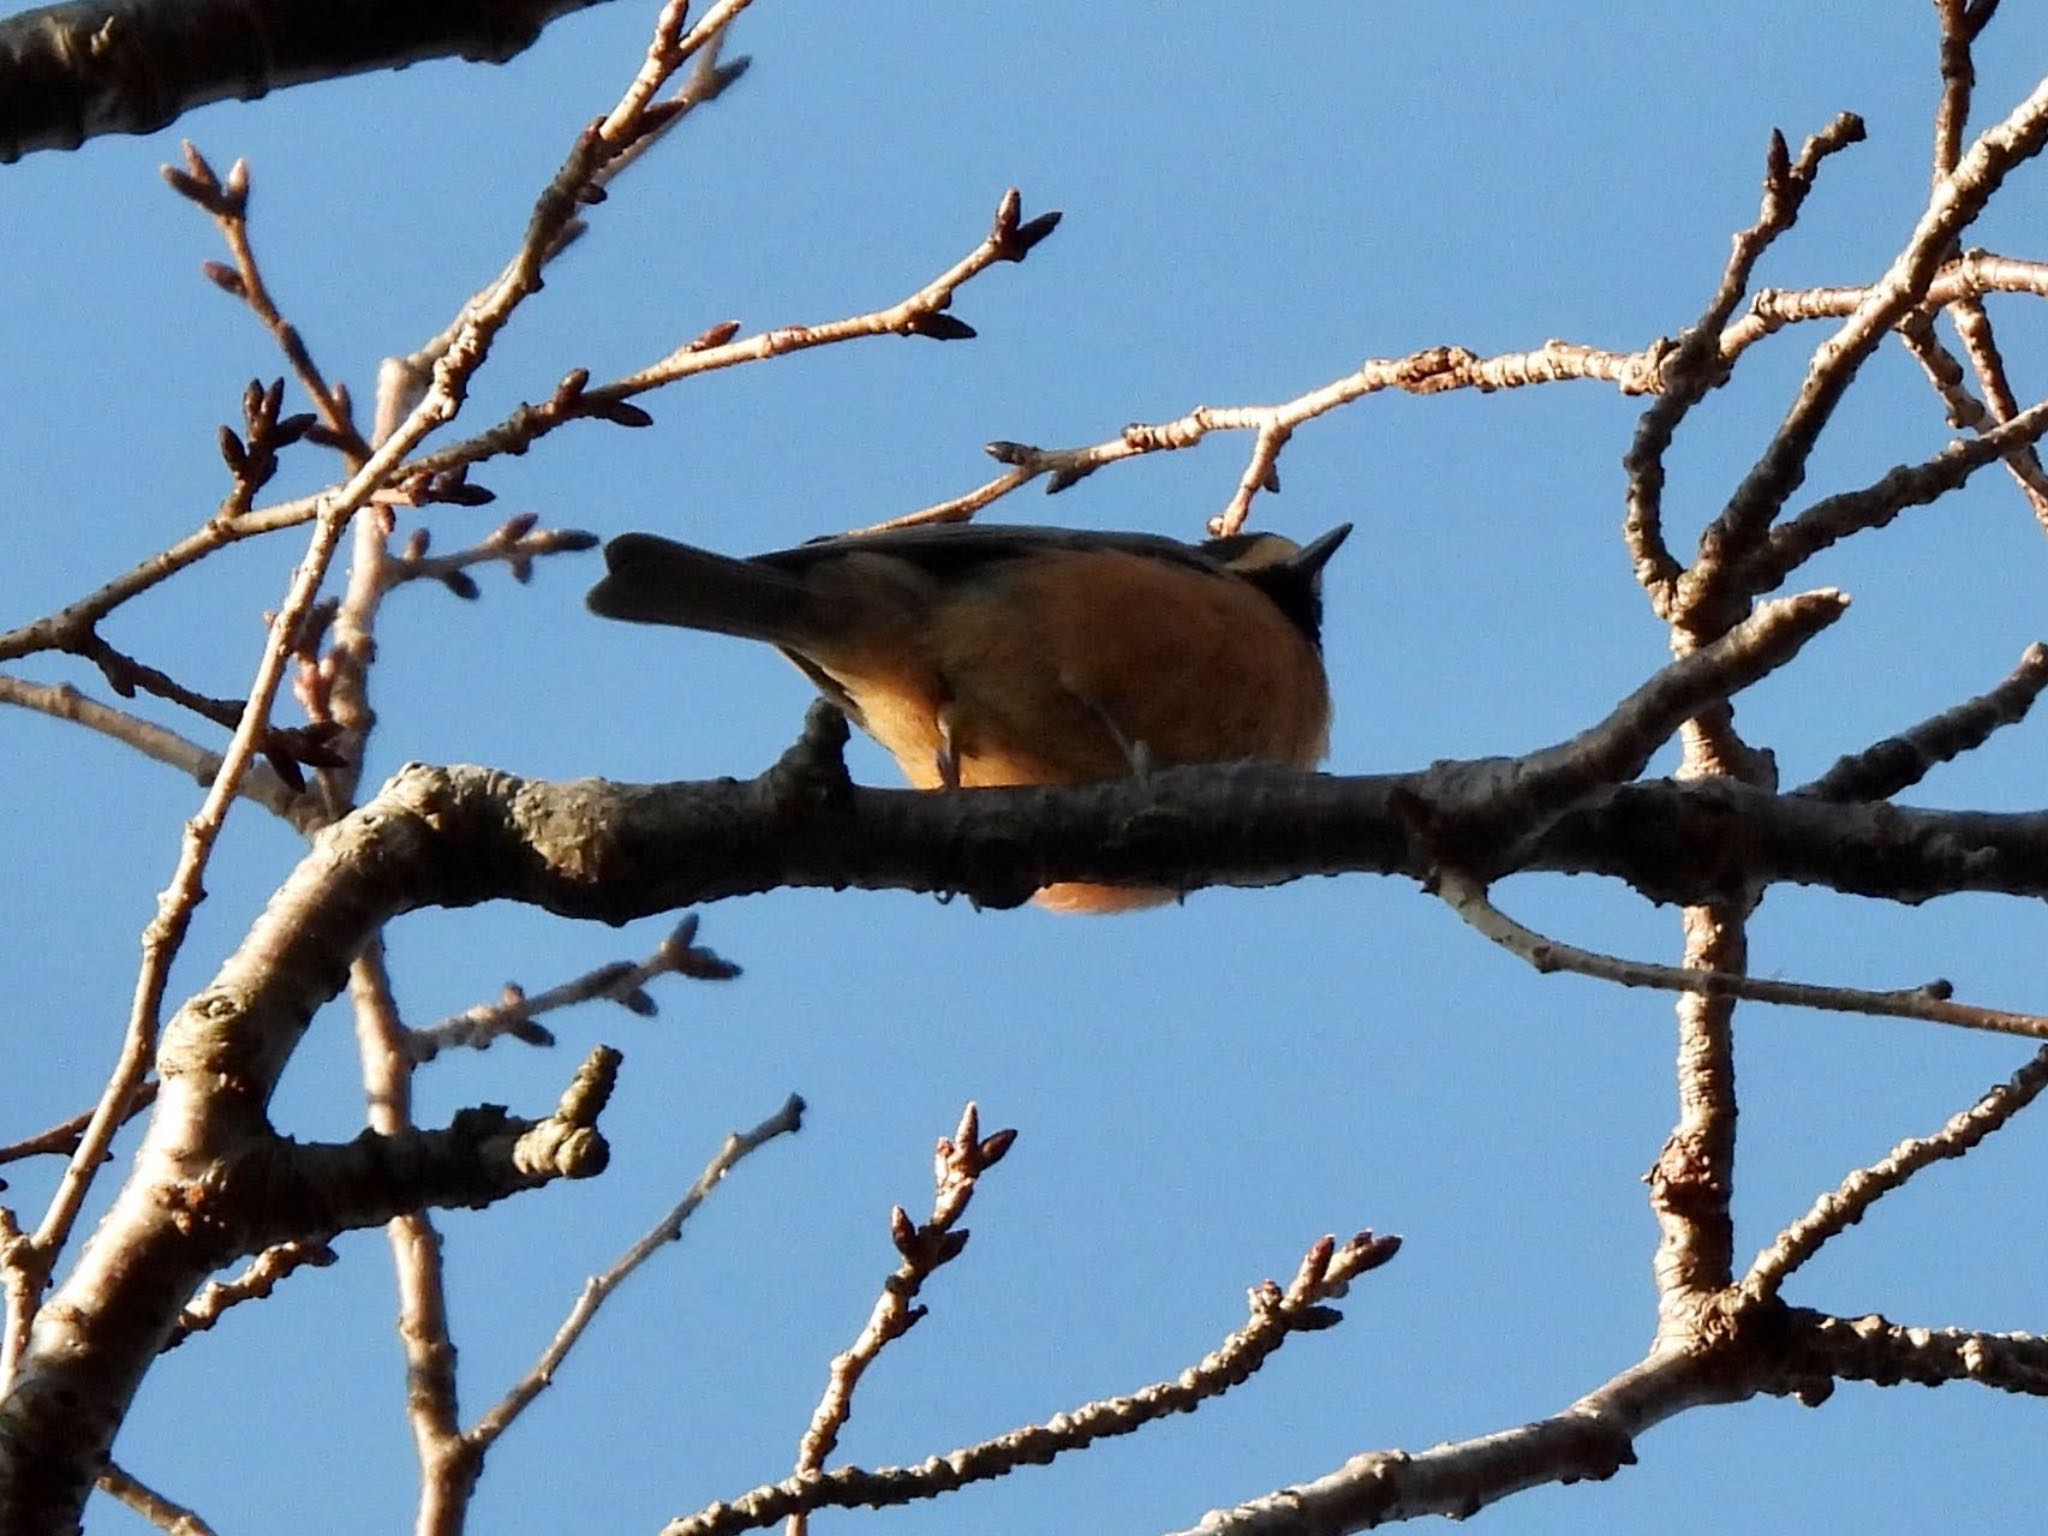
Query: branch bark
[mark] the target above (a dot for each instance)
(69, 73)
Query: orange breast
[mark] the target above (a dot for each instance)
(1063, 654)
(1049, 669)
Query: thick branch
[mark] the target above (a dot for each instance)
(615, 852)
(212, 1182)
(70, 72)
(482, 1157)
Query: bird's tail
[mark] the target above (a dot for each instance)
(652, 580)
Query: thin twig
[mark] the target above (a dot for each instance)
(161, 1512)
(922, 313)
(1848, 1202)
(1957, 201)
(450, 1461)
(447, 1473)
(1980, 346)
(228, 202)
(257, 1280)
(708, 80)
(668, 51)
(1963, 408)
(61, 1139)
(623, 982)
(1828, 1349)
(516, 544)
(1698, 363)
(785, 1121)
(958, 1165)
(1880, 771)
(1645, 370)
(61, 701)
(1961, 25)
(165, 932)
(286, 745)
(1834, 518)
(1929, 1003)
(651, 122)
(21, 1284)
(1520, 804)
(1326, 1273)
(50, 632)
(1592, 1439)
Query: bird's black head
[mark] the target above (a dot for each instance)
(1290, 574)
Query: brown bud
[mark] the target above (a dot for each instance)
(620, 412)
(459, 493)
(286, 770)
(191, 188)
(196, 163)
(1006, 214)
(902, 1232)
(1777, 159)
(1030, 234)
(939, 326)
(715, 336)
(292, 428)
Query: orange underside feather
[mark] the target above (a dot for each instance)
(1127, 654)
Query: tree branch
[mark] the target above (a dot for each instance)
(71, 72)
(1326, 1272)
(597, 1290)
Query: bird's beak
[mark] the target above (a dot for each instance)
(1312, 557)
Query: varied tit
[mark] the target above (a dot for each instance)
(983, 655)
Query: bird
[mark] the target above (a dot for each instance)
(981, 654)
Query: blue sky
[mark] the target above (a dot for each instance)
(1256, 199)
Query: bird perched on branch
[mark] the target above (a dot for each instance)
(982, 655)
